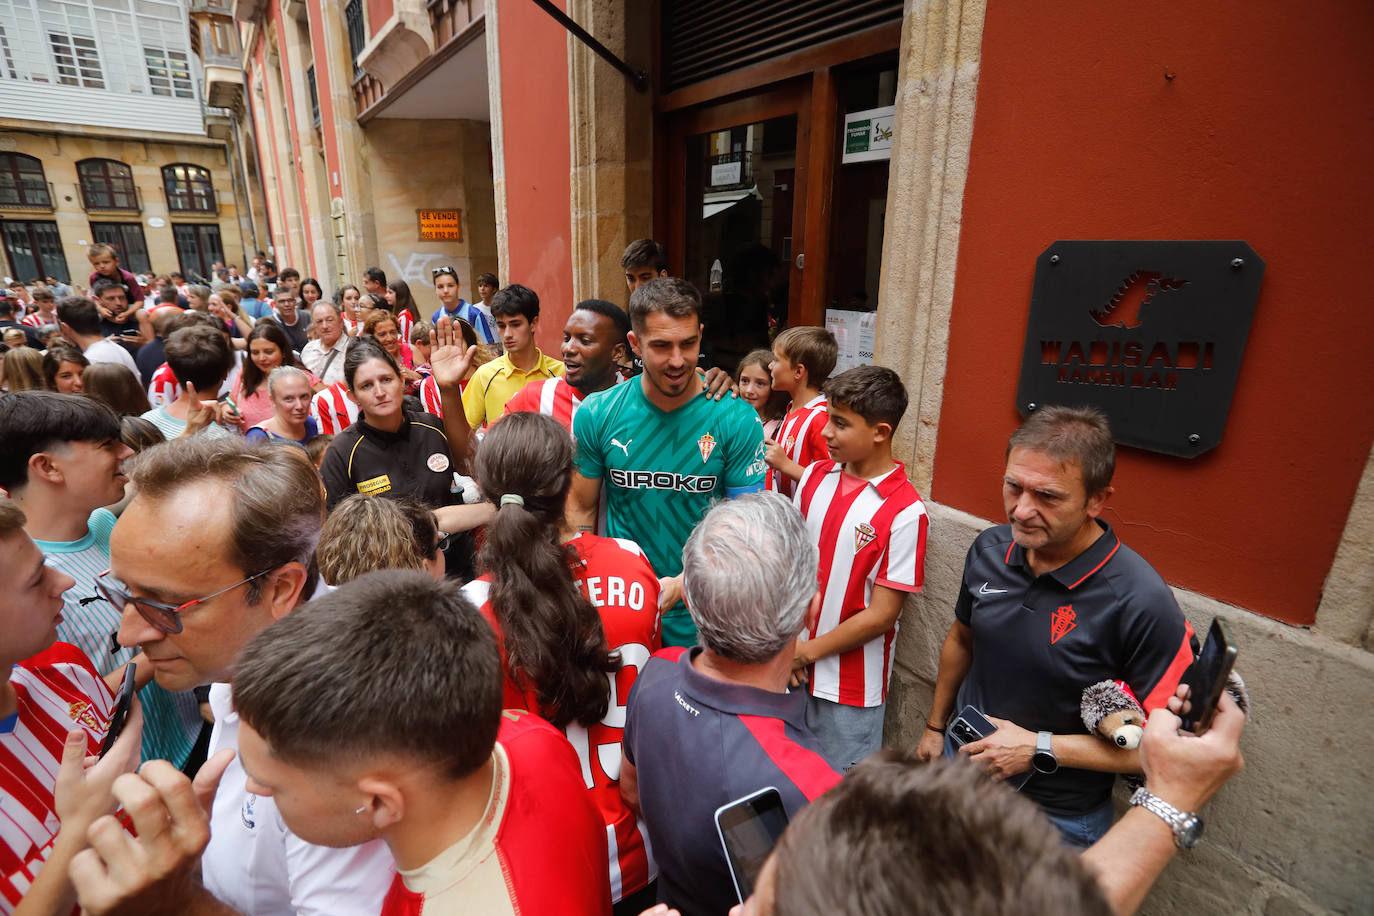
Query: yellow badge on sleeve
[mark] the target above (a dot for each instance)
(375, 484)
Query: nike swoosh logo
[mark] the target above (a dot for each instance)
(984, 590)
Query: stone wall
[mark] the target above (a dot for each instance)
(439, 164)
(1291, 833)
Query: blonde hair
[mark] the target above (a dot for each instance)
(366, 533)
(24, 370)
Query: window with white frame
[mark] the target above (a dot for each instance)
(77, 60)
(6, 56)
(169, 73)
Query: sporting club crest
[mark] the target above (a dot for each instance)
(706, 444)
(1061, 622)
(863, 536)
(82, 714)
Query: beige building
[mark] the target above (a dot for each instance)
(373, 138)
(105, 137)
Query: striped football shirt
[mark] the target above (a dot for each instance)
(171, 720)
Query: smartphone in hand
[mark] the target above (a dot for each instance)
(749, 828)
(1206, 678)
(123, 704)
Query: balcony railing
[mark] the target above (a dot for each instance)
(190, 204)
(13, 199)
(125, 200)
(449, 17)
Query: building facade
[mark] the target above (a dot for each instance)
(1010, 127)
(896, 170)
(374, 137)
(105, 137)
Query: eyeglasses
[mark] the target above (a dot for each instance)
(166, 618)
(435, 272)
(445, 538)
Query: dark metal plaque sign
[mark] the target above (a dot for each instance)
(1151, 332)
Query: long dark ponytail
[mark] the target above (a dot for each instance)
(553, 635)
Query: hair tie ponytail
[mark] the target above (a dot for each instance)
(515, 498)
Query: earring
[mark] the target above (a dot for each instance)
(361, 809)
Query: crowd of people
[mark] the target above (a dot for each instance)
(424, 619)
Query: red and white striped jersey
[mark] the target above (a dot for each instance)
(870, 532)
(162, 389)
(800, 436)
(333, 410)
(352, 328)
(430, 397)
(617, 579)
(58, 691)
(35, 320)
(553, 397)
(405, 322)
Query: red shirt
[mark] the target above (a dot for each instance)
(538, 848)
(333, 410)
(800, 437)
(619, 582)
(552, 397)
(58, 690)
(162, 389)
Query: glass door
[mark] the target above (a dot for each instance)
(736, 215)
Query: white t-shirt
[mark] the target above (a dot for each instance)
(107, 351)
(259, 867)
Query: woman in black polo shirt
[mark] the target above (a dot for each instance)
(389, 449)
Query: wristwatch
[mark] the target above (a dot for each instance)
(1187, 827)
(1044, 760)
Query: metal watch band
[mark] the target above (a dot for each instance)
(1186, 827)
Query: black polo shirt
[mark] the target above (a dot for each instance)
(413, 461)
(698, 743)
(1039, 640)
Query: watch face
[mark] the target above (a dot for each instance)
(1190, 833)
(1045, 762)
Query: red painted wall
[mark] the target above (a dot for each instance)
(538, 162)
(1263, 135)
(324, 76)
(378, 12)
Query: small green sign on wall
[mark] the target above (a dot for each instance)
(868, 135)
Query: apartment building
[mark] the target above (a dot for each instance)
(106, 136)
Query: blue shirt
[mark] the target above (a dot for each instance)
(472, 315)
(698, 743)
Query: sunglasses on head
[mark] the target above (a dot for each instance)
(435, 272)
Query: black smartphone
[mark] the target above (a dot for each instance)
(121, 711)
(749, 828)
(1206, 678)
(969, 726)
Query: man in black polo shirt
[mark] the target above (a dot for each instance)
(710, 725)
(1050, 604)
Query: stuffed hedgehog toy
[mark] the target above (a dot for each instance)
(1110, 709)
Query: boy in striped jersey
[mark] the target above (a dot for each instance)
(870, 526)
(54, 711)
(803, 359)
(62, 463)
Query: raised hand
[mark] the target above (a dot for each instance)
(449, 360)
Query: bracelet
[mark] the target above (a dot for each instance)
(935, 728)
